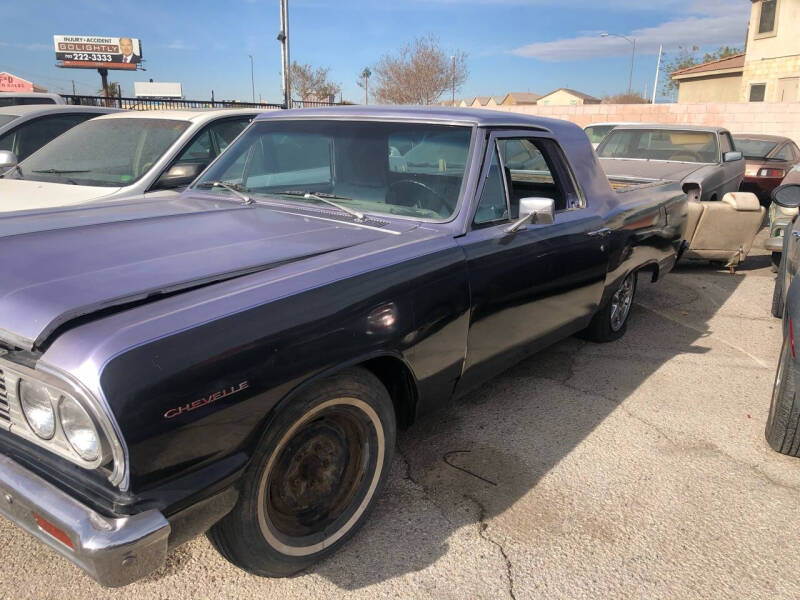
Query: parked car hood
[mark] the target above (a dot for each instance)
(24, 194)
(51, 277)
(652, 169)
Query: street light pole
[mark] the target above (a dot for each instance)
(633, 54)
(252, 78)
(283, 38)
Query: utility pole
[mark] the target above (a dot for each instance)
(283, 38)
(252, 79)
(453, 58)
(658, 69)
(73, 87)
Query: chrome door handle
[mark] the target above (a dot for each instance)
(600, 232)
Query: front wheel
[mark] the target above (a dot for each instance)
(783, 422)
(611, 320)
(314, 478)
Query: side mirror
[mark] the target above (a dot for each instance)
(732, 156)
(8, 160)
(179, 175)
(541, 211)
(787, 196)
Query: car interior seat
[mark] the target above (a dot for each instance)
(723, 231)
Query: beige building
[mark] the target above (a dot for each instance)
(566, 97)
(769, 69)
(519, 98)
(716, 81)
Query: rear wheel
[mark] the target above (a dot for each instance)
(314, 479)
(783, 422)
(611, 320)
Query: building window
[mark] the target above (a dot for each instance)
(769, 13)
(757, 92)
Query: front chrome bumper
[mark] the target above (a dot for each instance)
(114, 551)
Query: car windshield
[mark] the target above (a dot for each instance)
(103, 152)
(596, 133)
(405, 169)
(754, 148)
(4, 119)
(661, 144)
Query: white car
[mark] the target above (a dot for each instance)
(24, 129)
(150, 153)
(25, 98)
(597, 131)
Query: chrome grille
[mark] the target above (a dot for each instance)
(4, 410)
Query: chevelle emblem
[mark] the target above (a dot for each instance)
(211, 398)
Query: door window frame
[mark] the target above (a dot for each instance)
(561, 164)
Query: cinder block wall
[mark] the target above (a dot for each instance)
(746, 117)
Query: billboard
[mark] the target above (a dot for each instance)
(92, 52)
(157, 89)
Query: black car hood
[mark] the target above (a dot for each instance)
(89, 260)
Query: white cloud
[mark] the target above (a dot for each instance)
(710, 23)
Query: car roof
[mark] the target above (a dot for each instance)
(667, 127)
(761, 137)
(614, 123)
(26, 110)
(194, 116)
(433, 114)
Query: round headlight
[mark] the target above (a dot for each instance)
(37, 403)
(79, 429)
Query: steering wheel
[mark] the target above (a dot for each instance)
(434, 200)
(693, 156)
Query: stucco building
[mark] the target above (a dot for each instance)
(566, 97)
(768, 70)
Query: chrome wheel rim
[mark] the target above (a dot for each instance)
(621, 303)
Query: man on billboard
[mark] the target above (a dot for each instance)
(126, 46)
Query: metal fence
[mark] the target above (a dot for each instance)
(179, 103)
(162, 103)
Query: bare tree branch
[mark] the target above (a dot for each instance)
(311, 83)
(419, 74)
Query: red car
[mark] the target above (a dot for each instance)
(769, 159)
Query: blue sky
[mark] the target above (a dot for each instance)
(512, 45)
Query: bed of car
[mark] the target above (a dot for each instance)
(675, 193)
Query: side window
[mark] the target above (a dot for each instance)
(785, 153)
(33, 135)
(725, 143)
(7, 140)
(493, 205)
(535, 168)
(795, 151)
(224, 132)
(199, 151)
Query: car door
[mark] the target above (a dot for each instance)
(542, 282)
(733, 172)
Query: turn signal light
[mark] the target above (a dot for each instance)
(772, 173)
(53, 531)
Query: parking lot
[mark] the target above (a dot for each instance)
(635, 469)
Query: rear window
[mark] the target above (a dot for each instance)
(661, 144)
(24, 101)
(598, 132)
(754, 148)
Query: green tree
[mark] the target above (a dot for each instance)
(690, 57)
(113, 89)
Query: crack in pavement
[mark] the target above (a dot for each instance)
(483, 533)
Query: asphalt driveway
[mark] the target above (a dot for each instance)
(634, 469)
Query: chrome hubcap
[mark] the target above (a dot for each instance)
(621, 303)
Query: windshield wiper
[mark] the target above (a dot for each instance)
(326, 198)
(60, 171)
(235, 188)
